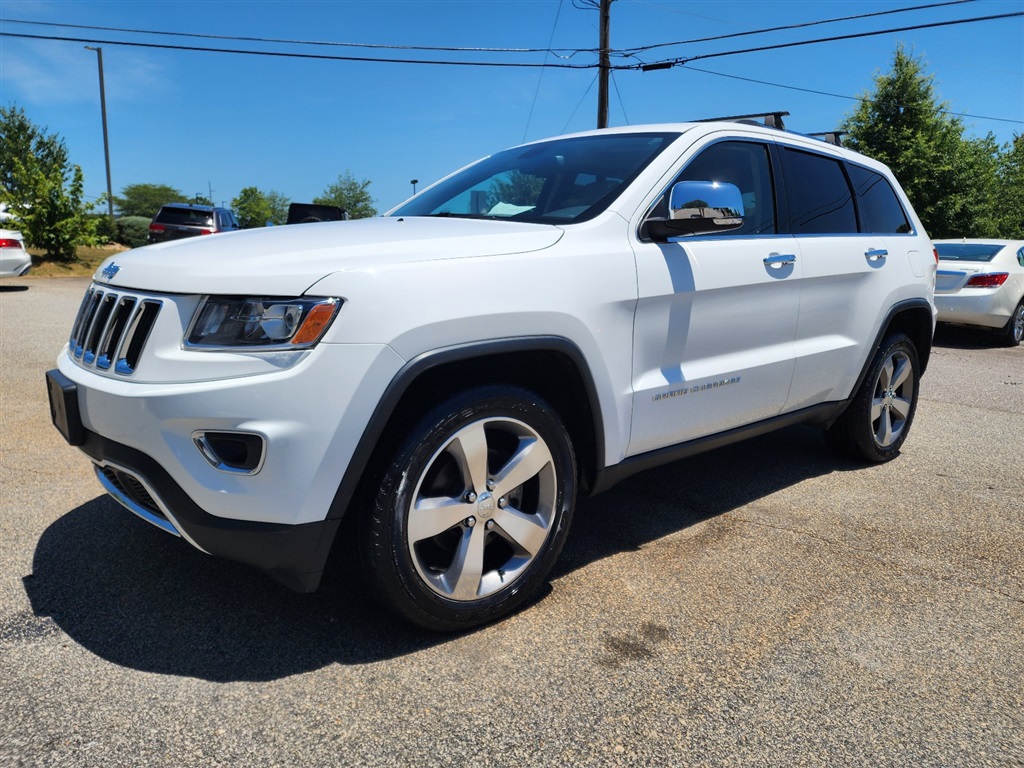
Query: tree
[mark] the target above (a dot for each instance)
(949, 180)
(349, 195)
(42, 188)
(255, 208)
(1010, 190)
(146, 199)
(278, 206)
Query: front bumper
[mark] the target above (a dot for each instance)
(294, 555)
(279, 517)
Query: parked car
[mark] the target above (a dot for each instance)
(435, 387)
(981, 283)
(176, 220)
(14, 259)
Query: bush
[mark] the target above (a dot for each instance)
(132, 231)
(104, 228)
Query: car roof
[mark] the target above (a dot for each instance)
(191, 206)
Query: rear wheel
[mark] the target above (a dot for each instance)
(1012, 333)
(472, 509)
(876, 422)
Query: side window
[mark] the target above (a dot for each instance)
(745, 164)
(1020, 256)
(879, 208)
(820, 200)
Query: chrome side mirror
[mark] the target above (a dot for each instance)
(699, 208)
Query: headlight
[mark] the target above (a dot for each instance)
(229, 322)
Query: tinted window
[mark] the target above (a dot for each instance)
(557, 182)
(968, 251)
(746, 165)
(880, 209)
(189, 217)
(820, 201)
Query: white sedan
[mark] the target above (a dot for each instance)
(14, 259)
(981, 282)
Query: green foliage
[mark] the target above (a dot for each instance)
(42, 188)
(278, 207)
(953, 182)
(1010, 190)
(349, 195)
(146, 199)
(255, 208)
(132, 231)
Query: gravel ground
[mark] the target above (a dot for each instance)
(762, 605)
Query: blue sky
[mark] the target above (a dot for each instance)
(201, 120)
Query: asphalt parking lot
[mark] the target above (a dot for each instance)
(762, 605)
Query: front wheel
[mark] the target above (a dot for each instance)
(472, 510)
(878, 418)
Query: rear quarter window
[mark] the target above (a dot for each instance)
(879, 207)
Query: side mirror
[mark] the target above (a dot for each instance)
(699, 208)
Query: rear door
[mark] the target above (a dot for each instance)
(850, 270)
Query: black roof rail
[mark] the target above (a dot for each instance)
(830, 137)
(771, 119)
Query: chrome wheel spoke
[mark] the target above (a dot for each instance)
(469, 448)
(463, 577)
(901, 407)
(530, 458)
(431, 516)
(528, 532)
(876, 409)
(902, 372)
(884, 433)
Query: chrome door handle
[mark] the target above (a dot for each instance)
(876, 254)
(778, 260)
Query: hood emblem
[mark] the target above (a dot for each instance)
(110, 271)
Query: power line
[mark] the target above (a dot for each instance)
(277, 40)
(645, 48)
(668, 63)
(288, 55)
(843, 96)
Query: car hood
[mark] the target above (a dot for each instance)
(287, 260)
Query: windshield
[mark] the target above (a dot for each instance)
(554, 182)
(967, 251)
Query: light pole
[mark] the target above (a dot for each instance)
(106, 140)
(414, 182)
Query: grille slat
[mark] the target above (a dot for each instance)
(112, 329)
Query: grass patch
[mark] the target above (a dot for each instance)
(88, 260)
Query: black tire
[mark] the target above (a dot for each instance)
(878, 418)
(478, 546)
(1012, 334)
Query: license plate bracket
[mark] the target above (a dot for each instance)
(64, 411)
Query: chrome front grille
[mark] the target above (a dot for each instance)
(111, 330)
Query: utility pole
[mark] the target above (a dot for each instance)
(106, 141)
(604, 66)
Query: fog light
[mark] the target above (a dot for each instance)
(239, 452)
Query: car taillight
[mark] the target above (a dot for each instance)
(935, 253)
(9, 242)
(987, 281)
(205, 231)
(157, 228)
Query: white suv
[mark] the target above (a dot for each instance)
(437, 386)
